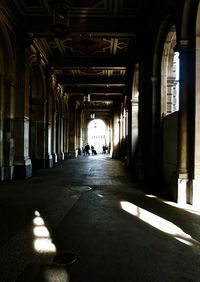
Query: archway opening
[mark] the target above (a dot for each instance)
(98, 135)
(169, 112)
(170, 75)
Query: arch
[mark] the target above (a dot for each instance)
(169, 107)
(98, 134)
(165, 102)
(169, 74)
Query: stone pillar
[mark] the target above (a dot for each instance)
(7, 112)
(196, 176)
(1, 129)
(49, 121)
(183, 134)
(78, 129)
(8, 126)
(58, 135)
(72, 128)
(22, 162)
(62, 137)
(65, 124)
(156, 131)
(54, 139)
(127, 130)
(39, 127)
(84, 136)
(116, 135)
(49, 157)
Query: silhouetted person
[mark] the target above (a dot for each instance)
(94, 152)
(87, 149)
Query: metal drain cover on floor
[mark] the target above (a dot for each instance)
(65, 258)
(80, 188)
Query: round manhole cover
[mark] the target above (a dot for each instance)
(80, 188)
(65, 258)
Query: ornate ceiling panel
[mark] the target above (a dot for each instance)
(88, 46)
(97, 53)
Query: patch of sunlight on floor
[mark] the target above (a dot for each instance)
(151, 196)
(56, 274)
(187, 207)
(42, 239)
(159, 223)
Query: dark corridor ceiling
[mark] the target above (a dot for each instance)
(97, 55)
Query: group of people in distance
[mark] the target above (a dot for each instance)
(105, 148)
(86, 150)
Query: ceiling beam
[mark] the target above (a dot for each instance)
(100, 90)
(95, 80)
(106, 62)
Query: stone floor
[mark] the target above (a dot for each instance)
(90, 208)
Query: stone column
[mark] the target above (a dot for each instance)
(183, 134)
(49, 121)
(196, 176)
(128, 132)
(8, 128)
(1, 129)
(22, 162)
(58, 134)
(116, 135)
(72, 127)
(39, 126)
(62, 137)
(65, 124)
(54, 138)
(156, 131)
(78, 130)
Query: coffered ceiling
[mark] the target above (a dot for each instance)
(96, 54)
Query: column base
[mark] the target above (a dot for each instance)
(182, 195)
(180, 189)
(115, 154)
(49, 161)
(43, 163)
(62, 156)
(55, 158)
(7, 173)
(23, 171)
(196, 194)
(71, 154)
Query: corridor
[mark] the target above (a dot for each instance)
(92, 208)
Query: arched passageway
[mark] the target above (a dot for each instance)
(99, 135)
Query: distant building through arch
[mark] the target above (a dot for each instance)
(98, 134)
